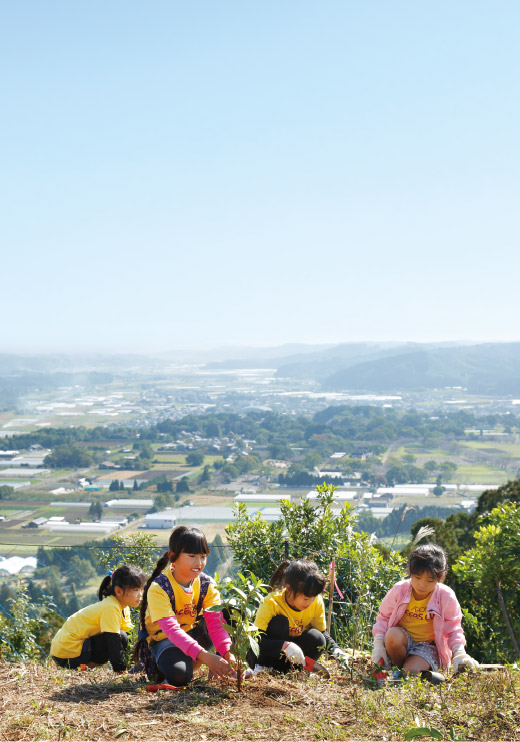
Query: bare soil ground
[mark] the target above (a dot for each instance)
(43, 702)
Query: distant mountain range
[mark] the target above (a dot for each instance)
(488, 368)
(491, 368)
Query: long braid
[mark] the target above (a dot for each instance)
(159, 567)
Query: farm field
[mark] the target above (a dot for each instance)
(492, 447)
(485, 470)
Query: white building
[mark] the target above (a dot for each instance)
(129, 504)
(16, 564)
(339, 496)
(262, 498)
(24, 472)
(164, 519)
(65, 527)
(15, 485)
(65, 504)
(192, 514)
(332, 474)
(381, 512)
(478, 487)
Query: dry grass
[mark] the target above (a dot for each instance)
(43, 702)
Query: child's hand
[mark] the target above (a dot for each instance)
(293, 653)
(232, 663)
(218, 665)
(230, 658)
(461, 660)
(341, 657)
(379, 653)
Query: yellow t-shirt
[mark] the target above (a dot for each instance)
(275, 605)
(127, 619)
(107, 615)
(417, 622)
(159, 605)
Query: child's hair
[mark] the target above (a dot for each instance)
(302, 576)
(125, 577)
(428, 558)
(182, 538)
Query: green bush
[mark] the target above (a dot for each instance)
(324, 535)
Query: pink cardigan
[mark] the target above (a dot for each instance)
(444, 606)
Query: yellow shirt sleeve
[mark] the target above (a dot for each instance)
(111, 619)
(159, 605)
(126, 623)
(264, 614)
(212, 597)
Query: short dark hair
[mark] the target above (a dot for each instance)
(428, 558)
(302, 576)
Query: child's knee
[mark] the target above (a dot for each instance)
(317, 639)
(394, 638)
(179, 676)
(278, 627)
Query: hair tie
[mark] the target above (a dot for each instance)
(109, 574)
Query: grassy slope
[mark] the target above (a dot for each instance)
(41, 702)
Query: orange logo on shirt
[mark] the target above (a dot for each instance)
(187, 610)
(419, 614)
(297, 629)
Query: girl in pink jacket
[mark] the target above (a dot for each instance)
(419, 623)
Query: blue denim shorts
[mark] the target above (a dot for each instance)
(157, 648)
(426, 650)
(199, 632)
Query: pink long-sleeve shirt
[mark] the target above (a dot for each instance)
(218, 634)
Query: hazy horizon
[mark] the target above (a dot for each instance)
(244, 349)
(187, 177)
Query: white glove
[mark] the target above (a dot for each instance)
(379, 653)
(293, 653)
(461, 660)
(340, 656)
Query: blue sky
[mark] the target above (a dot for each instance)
(194, 174)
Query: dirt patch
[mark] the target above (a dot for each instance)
(44, 702)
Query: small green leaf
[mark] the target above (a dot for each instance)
(423, 732)
(120, 732)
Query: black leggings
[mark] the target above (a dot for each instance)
(94, 649)
(312, 643)
(176, 666)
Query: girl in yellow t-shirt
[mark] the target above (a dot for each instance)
(175, 618)
(291, 618)
(96, 634)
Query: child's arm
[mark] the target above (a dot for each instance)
(455, 635)
(170, 626)
(335, 650)
(381, 627)
(219, 636)
(116, 652)
(385, 611)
